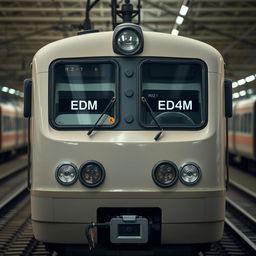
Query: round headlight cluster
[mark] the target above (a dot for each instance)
(128, 39)
(165, 173)
(190, 173)
(91, 174)
(66, 174)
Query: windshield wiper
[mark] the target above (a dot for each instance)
(143, 99)
(110, 104)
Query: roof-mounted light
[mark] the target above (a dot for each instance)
(128, 39)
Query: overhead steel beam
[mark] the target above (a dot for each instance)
(195, 21)
(105, 9)
(28, 34)
(244, 35)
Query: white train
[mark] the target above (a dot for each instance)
(127, 132)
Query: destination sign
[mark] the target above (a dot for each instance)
(172, 100)
(83, 101)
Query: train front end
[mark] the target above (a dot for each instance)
(127, 133)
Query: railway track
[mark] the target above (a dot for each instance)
(240, 224)
(16, 236)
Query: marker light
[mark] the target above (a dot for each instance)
(165, 173)
(190, 174)
(66, 173)
(91, 174)
(128, 39)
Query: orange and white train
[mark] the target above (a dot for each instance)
(13, 129)
(242, 132)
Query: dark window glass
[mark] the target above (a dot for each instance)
(230, 124)
(7, 126)
(249, 122)
(237, 117)
(81, 93)
(176, 93)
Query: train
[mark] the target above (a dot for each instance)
(242, 134)
(128, 143)
(13, 130)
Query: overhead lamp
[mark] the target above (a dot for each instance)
(5, 89)
(12, 91)
(250, 91)
(184, 10)
(250, 78)
(241, 82)
(234, 84)
(179, 20)
(236, 95)
(242, 93)
(175, 32)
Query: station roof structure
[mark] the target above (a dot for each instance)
(227, 25)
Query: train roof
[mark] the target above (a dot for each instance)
(155, 45)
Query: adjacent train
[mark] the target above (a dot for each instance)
(13, 130)
(242, 133)
(127, 142)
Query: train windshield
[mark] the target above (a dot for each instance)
(82, 91)
(175, 93)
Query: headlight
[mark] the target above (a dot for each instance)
(190, 174)
(165, 173)
(66, 173)
(91, 174)
(128, 39)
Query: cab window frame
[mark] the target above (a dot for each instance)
(52, 86)
(204, 91)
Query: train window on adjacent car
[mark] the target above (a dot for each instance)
(82, 91)
(176, 93)
(249, 122)
(7, 124)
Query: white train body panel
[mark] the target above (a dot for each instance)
(128, 156)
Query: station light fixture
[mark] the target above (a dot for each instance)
(234, 84)
(12, 91)
(183, 10)
(249, 79)
(242, 93)
(179, 20)
(236, 95)
(250, 91)
(240, 82)
(175, 32)
(5, 89)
